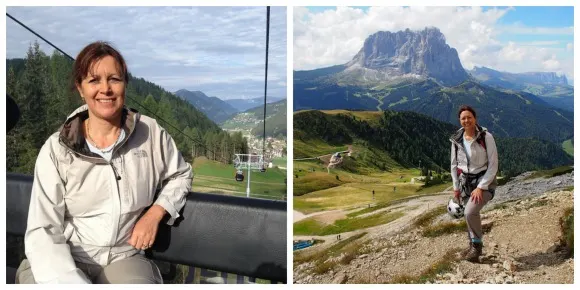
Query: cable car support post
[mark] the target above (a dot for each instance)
(249, 172)
(245, 160)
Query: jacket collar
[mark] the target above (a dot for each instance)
(71, 135)
(457, 137)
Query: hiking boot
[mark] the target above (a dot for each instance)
(465, 251)
(474, 253)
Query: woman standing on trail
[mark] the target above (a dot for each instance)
(474, 166)
(94, 207)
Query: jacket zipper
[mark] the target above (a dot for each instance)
(116, 207)
(463, 148)
(116, 203)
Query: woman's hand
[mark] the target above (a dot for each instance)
(477, 195)
(457, 194)
(145, 230)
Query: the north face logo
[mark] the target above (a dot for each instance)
(140, 153)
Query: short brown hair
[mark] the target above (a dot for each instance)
(466, 108)
(92, 53)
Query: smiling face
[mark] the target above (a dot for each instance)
(103, 89)
(467, 120)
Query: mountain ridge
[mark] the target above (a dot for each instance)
(548, 86)
(214, 108)
(245, 104)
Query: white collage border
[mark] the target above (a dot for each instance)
(290, 103)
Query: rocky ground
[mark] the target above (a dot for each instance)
(522, 245)
(521, 188)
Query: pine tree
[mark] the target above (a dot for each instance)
(34, 88)
(150, 104)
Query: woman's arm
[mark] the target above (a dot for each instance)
(492, 163)
(45, 243)
(176, 178)
(454, 176)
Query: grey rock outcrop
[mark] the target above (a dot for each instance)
(546, 78)
(423, 54)
(519, 187)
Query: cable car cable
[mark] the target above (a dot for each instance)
(266, 78)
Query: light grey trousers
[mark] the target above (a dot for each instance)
(133, 270)
(472, 216)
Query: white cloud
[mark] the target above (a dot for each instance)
(217, 45)
(551, 64)
(335, 36)
(513, 53)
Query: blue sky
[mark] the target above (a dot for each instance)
(217, 50)
(545, 17)
(513, 39)
(539, 16)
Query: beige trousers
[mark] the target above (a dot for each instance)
(472, 216)
(133, 270)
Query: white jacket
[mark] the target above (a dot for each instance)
(481, 159)
(83, 208)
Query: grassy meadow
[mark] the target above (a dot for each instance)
(215, 177)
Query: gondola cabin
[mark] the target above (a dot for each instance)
(239, 175)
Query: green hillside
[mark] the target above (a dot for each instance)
(251, 120)
(568, 146)
(275, 123)
(215, 177)
(373, 165)
(407, 139)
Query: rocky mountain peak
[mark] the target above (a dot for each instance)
(541, 78)
(547, 78)
(422, 53)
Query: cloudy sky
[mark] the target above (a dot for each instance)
(513, 39)
(217, 50)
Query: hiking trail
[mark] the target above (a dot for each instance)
(522, 243)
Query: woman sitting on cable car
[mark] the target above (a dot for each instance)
(88, 220)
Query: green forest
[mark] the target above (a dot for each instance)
(413, 139)
(506, 114)
(41, 86)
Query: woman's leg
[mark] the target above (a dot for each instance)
(473, 218)
(24, 273)
(133, 270)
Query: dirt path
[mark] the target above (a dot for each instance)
(412, 209)
(298, 216)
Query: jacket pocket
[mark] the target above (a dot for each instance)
(139, 181)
